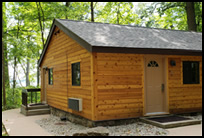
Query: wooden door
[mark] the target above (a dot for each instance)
(154, 85)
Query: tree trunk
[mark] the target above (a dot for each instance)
(42, 36)
(118, 13)
(66, 6)
(38, 78)
(27, 73)
(15, 62)
(14, 75)
(4, 45)
(191, 16)
(38, 73)
(17, 76)
(6, 66)
(92, 12)
(4, 82)
(3, 67)
(43, 27)
(40, 22)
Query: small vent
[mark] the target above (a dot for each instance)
(75, 104)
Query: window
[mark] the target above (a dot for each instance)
(50, 76)
(76, 74)
(153, 64)
(191, 72)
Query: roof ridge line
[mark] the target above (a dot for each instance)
(129, 25)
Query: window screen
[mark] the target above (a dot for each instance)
(76, 76)
(191, 72)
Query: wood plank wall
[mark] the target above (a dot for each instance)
(112, 84)
(119, 85)
(61, 53)
(183, 97)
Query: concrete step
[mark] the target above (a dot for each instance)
(35, 110)
(172, 124)
(38, 111)
(37, 106)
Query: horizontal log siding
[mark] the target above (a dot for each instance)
(183, 97)
(119, 86)
(61, 53)
(112, 84)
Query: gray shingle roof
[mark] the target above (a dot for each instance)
(103, 37)
(111, 35)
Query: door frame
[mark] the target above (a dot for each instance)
(165, 75)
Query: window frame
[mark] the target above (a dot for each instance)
(49, 76)
(190, 82)
(72, 74)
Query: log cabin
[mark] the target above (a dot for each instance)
(102, 71)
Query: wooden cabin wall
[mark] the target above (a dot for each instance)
(61, 53)
(183, 97)
(118, 82)
(112, 84)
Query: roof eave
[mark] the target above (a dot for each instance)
(101, 49)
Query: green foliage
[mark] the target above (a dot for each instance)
(198, 13)
(13, 98)
(169, 15)
(116, 13)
